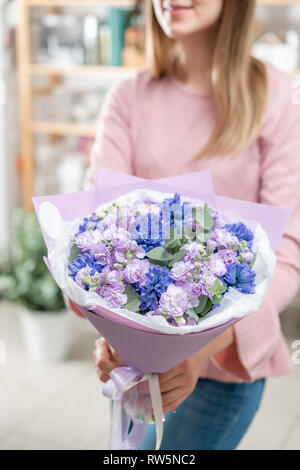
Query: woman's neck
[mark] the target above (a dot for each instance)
(193, 66)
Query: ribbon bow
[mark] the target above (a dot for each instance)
(121, 380)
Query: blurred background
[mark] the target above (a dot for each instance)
(58, 58)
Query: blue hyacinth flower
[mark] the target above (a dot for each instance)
(241, 277)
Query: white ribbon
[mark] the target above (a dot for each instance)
(123, 379)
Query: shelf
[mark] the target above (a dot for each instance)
(63, 129)
(83, 70)
(80, 3)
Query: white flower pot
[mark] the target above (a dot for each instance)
(46, 335)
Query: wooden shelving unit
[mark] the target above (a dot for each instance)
(26, 70)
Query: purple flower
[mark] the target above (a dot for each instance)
(190, 320)
(225, 239)
(113, 295)
(193, 250)
(228, 256)
(214, 213)
(81, 262)
(211, 244)
(247, 256)
(89, 223)
(83, 278)
(242, 232)
(196, 288)
(136, 271)
(216, 265)
(91, 242)
(181, 269)
(174, 301)
(126, 250)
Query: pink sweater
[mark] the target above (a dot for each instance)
(151, 128)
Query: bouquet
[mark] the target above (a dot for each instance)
(155, 255)
(159, 273)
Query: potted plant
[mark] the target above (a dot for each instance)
(26, 281)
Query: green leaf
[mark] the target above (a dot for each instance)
(202, 236)
(177, 257)
(216, 299)
(171, 237)
(202, 303)
(191, 313)
(133, 305)
(217, 288)
(74, 253)
(188, 233)
(253, 261)
(160, 254)
(202, 217)
(207, 308)
(133, 300)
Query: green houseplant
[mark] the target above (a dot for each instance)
(24, 277)
(26, 281)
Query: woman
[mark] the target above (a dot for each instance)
(205, 103)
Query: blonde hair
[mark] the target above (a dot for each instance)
(238, 81)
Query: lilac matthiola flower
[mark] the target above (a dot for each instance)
(81, 277)
(89, 223)
(217, 265)
(247, 256)
(242, 232)
(91, 242)
(192, 250)
(113, 295)
(125, 250)
(211, 244)
(228, 256)
(174, 301)
(181, 269)
(85, 240)
(216, 216)
(190, 320)
(136, 271)
(225, 239)
(207, 280)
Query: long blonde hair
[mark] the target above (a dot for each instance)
(238, 81)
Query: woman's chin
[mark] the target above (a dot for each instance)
(179, 31)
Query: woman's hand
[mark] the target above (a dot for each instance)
(106, 359)
(71, 306)
(177, 384)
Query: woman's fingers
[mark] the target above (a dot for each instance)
(172, 406)
(171, 374)
(116, 357)
(171, 384)
(103, 357)
(172, 396)
(102, 376)
(73, 307)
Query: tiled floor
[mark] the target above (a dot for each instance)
(60, 406)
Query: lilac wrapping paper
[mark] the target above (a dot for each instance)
(141, 347)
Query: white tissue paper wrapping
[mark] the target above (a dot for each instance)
(234, 303)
